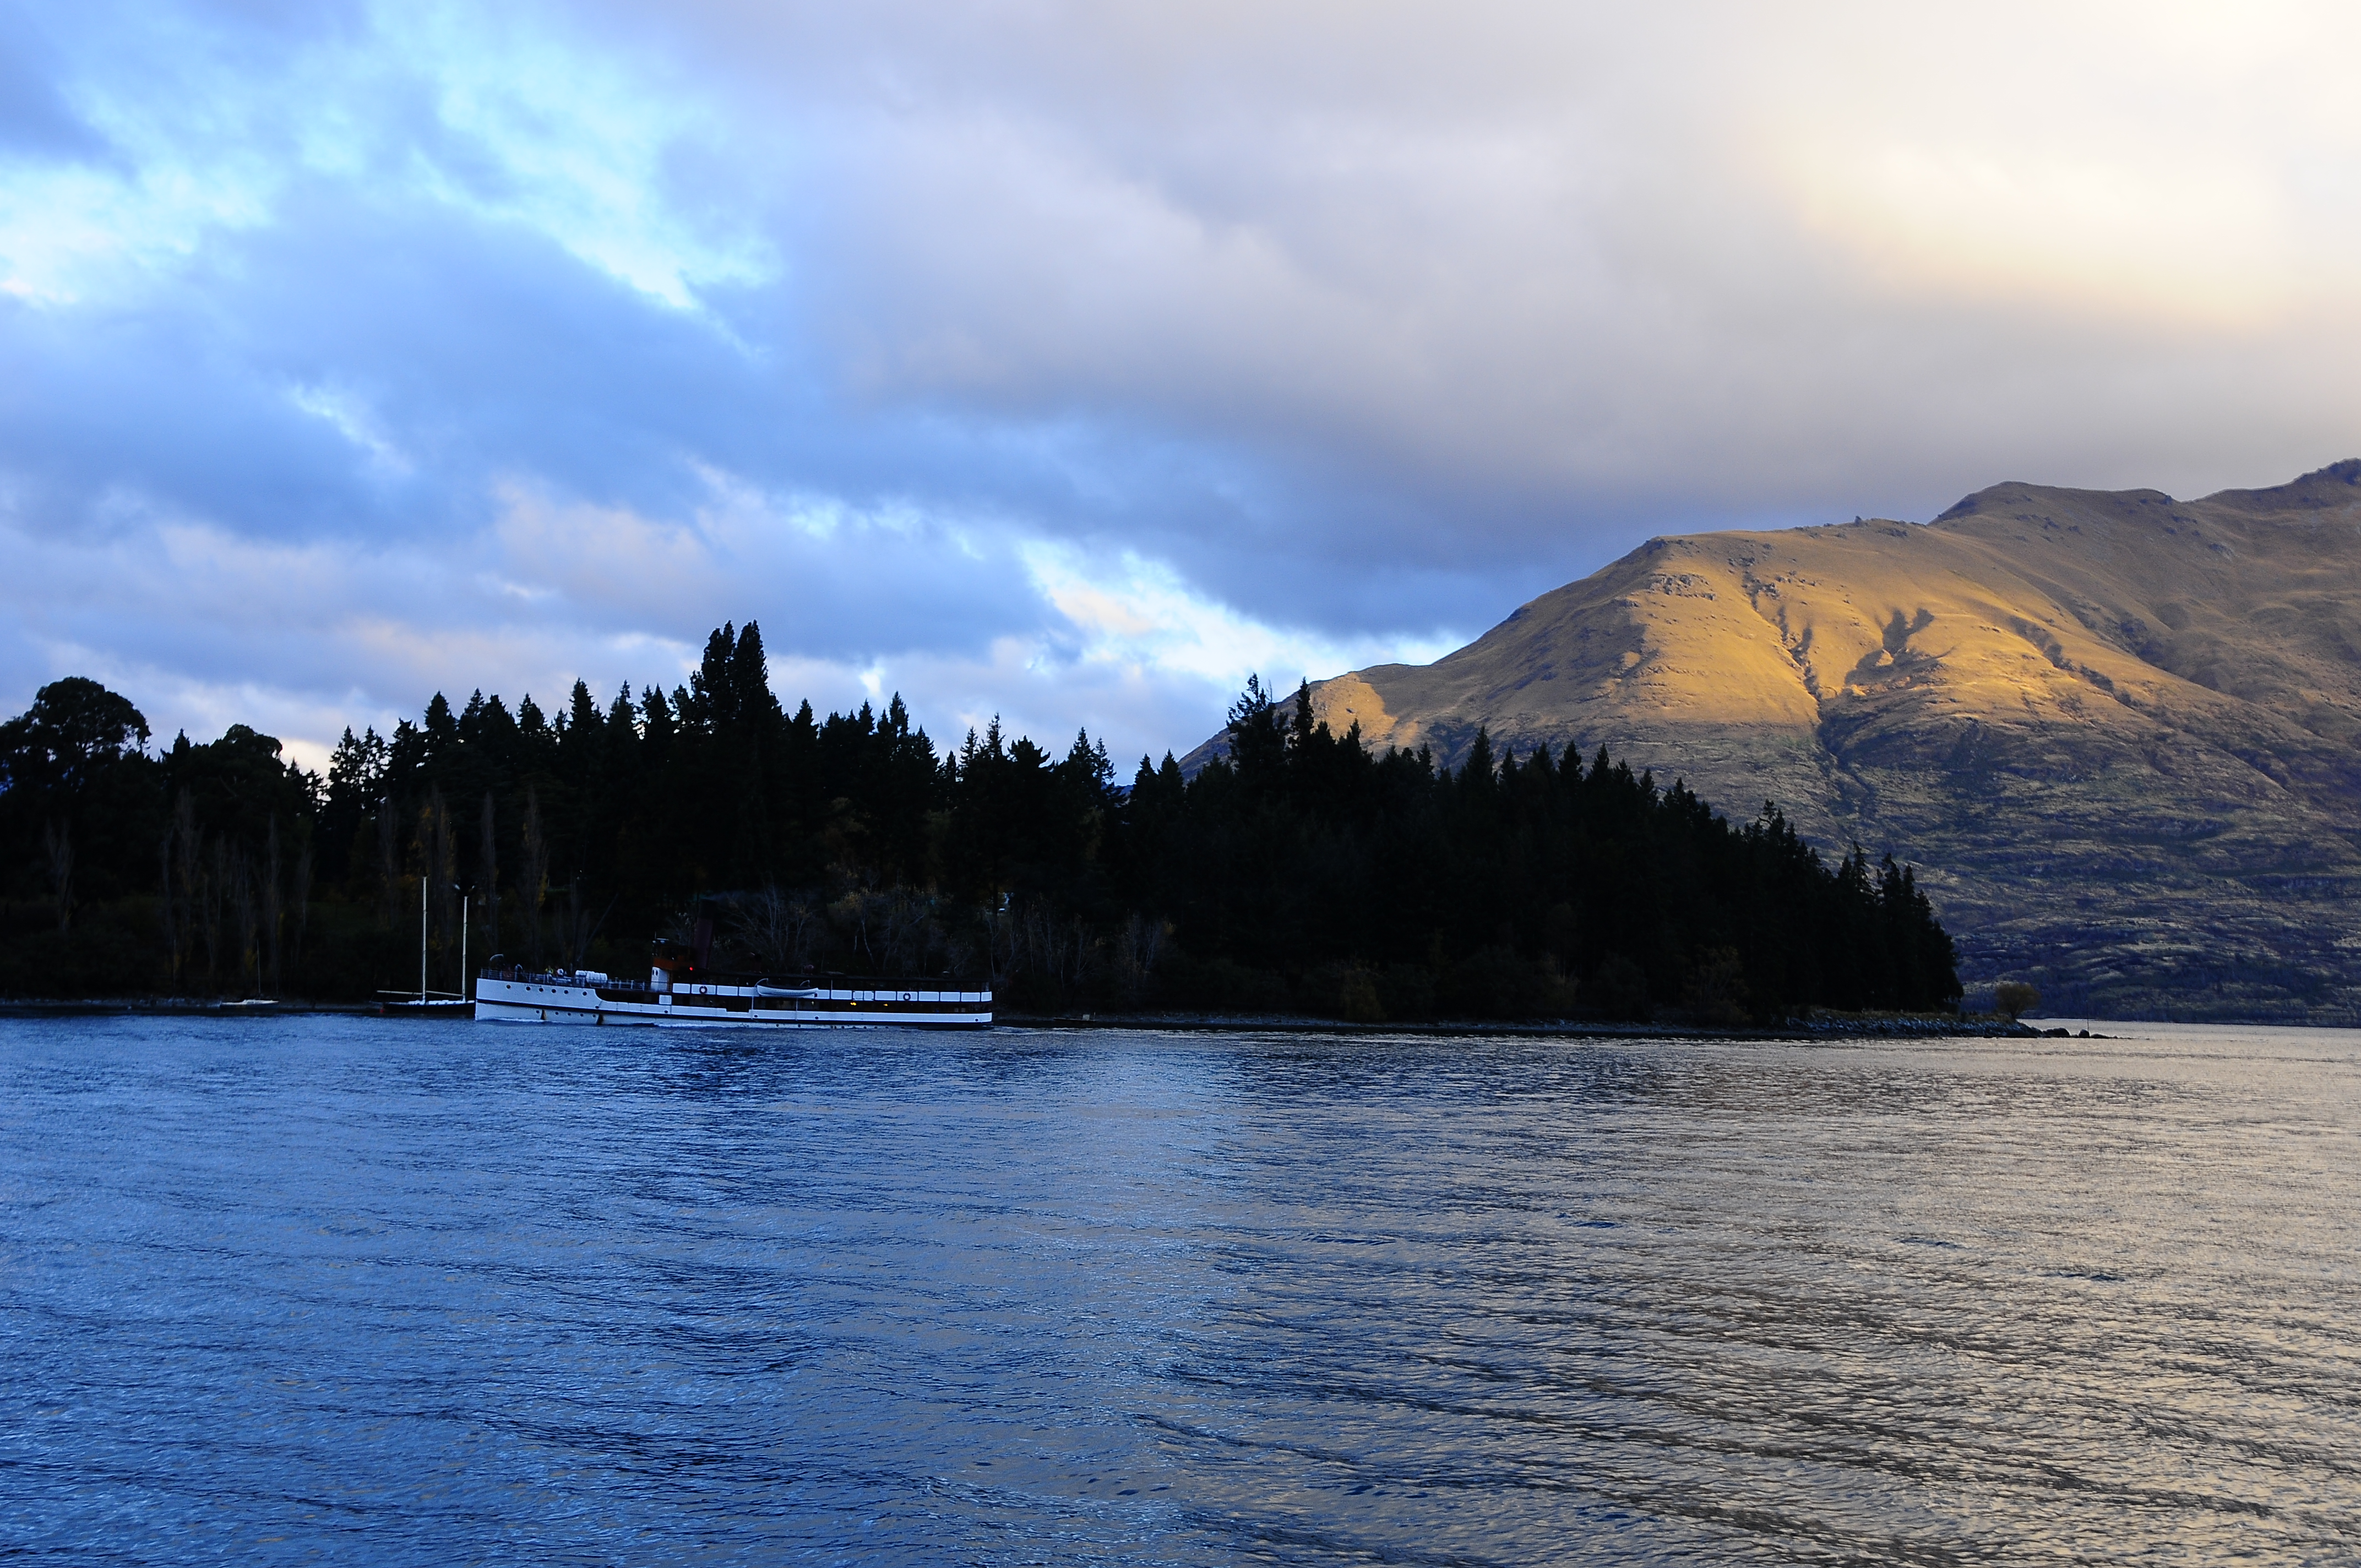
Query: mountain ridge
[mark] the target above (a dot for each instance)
(2116, 729)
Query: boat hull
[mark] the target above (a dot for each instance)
(545, 998)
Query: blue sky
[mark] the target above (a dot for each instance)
(1069, 361)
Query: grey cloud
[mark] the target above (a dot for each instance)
(1517, 272)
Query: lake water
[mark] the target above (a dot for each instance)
(336, 1289)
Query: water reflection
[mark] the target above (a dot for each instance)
(434, 1292)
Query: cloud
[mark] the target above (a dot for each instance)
(1068, 361)
(1508, 285)
(969, 620)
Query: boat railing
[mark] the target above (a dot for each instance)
(525, 976)
(766, 988)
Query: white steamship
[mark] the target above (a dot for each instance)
(680, 994)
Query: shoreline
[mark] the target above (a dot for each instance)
(172, 1006)
(1834, 1026)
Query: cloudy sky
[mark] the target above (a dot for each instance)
(1067, 361)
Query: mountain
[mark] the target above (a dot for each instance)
(2115, 730)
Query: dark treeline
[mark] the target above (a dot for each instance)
(1302, 872)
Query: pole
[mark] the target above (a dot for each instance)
(463, 945)
(421, 942)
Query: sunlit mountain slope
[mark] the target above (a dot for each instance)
(2116, 730)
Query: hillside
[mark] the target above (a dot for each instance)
(2115, 729)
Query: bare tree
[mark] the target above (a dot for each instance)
(777, 926)
(2015, 998)
(1142, 945)
(959, 952)
(1715, 993)
(853, 914)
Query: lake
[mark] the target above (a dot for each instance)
(324, 1288)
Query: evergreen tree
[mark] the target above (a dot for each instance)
(1300, 871)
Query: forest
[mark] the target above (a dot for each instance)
(1301, 874)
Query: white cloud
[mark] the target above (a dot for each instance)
(521, 122)
(1138, 618)
(578, 141)
(71, 231)
(349, 416)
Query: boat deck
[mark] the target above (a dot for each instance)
(561, 998)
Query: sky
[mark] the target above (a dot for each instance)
(1069, 361)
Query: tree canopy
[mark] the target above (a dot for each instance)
(1300, 871)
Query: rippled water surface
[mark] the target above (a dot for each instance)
(332, 1288)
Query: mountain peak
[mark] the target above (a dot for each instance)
(2118, 730)
(2016, 493)
(2338, 485)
